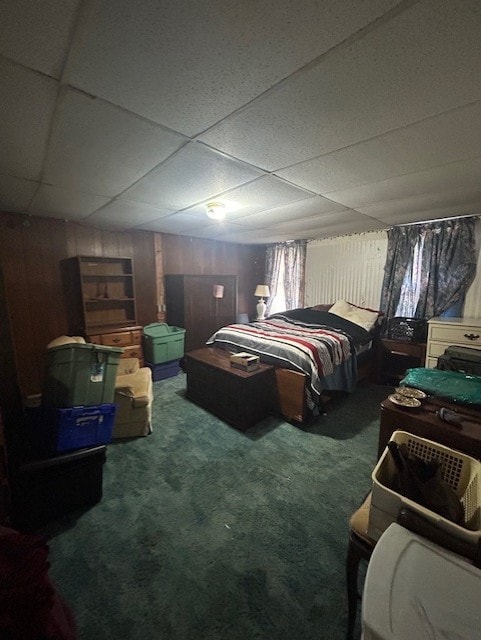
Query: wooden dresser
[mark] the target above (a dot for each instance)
(425, 423)
(129, 338)
(447, 332)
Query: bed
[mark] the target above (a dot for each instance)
(315, 350)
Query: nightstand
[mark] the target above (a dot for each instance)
(395, 357)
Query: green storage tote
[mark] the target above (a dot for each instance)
(162, 343)
(80, 374)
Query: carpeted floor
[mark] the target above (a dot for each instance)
(208, 533)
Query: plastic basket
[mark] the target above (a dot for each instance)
(53, 430)
(461, 472)
(80, 375)
(165, 370)
(162, 343)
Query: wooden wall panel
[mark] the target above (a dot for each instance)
(32, 251)
(194, 256)
(145, 288)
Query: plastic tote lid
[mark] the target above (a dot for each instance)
(85, 346)
(156, 329)
(416, 589)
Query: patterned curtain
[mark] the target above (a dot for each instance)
(448, 265)
(401, 242)
(286, 259)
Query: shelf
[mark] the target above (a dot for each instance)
(106, 293)
(104, 276)
(96, 300)
(118, 323)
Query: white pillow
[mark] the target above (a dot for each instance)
(341, 308)
(362, 317)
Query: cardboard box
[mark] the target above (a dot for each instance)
(244, 361)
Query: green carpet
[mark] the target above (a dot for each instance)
(206, 532)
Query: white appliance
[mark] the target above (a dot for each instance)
(416, 590)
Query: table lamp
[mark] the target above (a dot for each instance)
(262, 291)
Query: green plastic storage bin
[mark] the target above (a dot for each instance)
(80, 374)
(163, 343)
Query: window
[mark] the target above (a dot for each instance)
(278, 302)
(411, 286)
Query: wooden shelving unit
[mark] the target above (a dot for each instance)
(107, 293)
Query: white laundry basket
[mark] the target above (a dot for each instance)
(461, 472)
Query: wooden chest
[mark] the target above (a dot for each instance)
(240, 398)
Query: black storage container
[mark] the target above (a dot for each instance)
(407, 329)
(44, 490)
(462, 359)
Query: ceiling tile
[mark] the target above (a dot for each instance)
(316, 205)
(341, 217)
(101, 149)
(455, 176)
(262, 194)
(36, 34)
(382, 81)
(416, 208)
(27, 102)
(178, 223)
(181, 56)
(448, 137)
(16, 193)
(339, 228)
(193, 174)
(217, 231)
(126, 214)
(55, 202)
(256, 236)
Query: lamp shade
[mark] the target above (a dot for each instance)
(262, 291)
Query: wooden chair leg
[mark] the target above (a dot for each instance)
(352, 572)
(357, 550)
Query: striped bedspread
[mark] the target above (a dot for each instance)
(313, 349)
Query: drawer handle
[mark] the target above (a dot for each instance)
(471, 336)
(116, 340)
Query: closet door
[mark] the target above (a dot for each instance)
(210, 303)
(201, 305)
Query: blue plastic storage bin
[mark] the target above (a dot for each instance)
(164, 370)
(53, 430)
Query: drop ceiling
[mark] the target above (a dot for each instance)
(305, 118)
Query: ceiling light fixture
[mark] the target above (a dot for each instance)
(216, 210)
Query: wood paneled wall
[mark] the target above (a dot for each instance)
(31, 251)
(194, 256)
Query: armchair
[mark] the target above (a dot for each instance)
(133, 397)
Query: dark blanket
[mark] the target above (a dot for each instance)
(358, 335)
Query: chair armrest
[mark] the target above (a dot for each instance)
(128, 366)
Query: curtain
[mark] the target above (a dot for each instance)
(286, 259)
(401, 242)
(448, 265)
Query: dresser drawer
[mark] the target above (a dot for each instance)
(134, 351)
(463, 335)
(119, 338)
